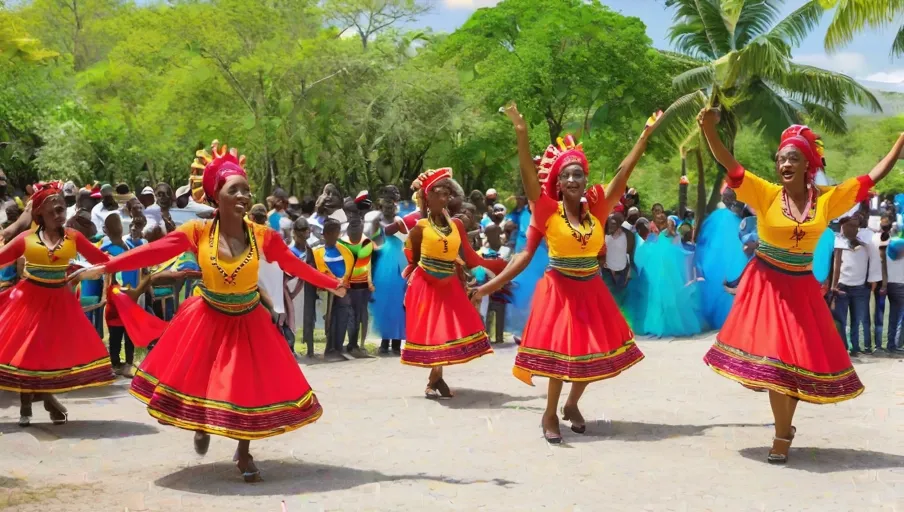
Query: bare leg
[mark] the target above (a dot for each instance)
(571, 411)
(783, 412)
(245, 462)
(550, 419)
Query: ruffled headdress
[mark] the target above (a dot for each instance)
(210, 172)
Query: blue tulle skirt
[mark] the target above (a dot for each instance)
(523, 288)
(720, 258)
(663, 298)
(387, 304)
(822, 256)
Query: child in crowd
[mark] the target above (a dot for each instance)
(494, 304)
(114, 245)
(336, 260)
(360, 286)
(298, 290)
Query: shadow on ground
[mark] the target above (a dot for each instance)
(636, 431)
(830, 460)
(289, 477)
(89, 429)
(481, 399)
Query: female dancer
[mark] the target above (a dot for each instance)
(575, 332)
(387, 308)
(221, 367)
(779, 335)
(442, 325)
(37, 356)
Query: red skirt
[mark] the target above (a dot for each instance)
(780, 335)
(442, 326)
(229, 375)
(47, 343)
(575, 332)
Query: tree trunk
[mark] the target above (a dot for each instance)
(701, 188)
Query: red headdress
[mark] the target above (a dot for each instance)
(428, 179)
(814, 152)
(556, 158)
(223, 164)
(43, 191)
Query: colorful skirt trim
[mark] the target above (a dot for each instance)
(780, 335)
(588, 368)
(47, 343)
(453, 352)
(760, 373)
(442, 326)
(222, 418)
(225, 374)
(575, 332)
(97, 373)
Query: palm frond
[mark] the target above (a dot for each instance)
(830, 119)
(682, 58)
(897, 47)
(680, 119)
(755, 19)
(768, 108)
(763, 56)
(798, 25)
(853, 16)
(809, 84)
(699, 28)
(694, 79)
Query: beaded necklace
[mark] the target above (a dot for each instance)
(51, 253)
(214, 246)
(582, 237)
(442, 232)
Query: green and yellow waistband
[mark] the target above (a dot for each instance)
(53, 277)
(580, 268)
(437, 268)
(231, 303)
(785, 260)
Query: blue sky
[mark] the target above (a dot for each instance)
(866, 58)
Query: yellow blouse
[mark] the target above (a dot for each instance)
(573, 251)
(439, 251)
(776, 225)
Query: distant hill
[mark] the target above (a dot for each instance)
(890, 96)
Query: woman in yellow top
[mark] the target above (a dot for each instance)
(779, 335)
(575, 331)
(443, 327)
(47, 344)
(221, 367)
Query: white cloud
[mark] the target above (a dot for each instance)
(849, 63)
(894, 76)
(469, 4)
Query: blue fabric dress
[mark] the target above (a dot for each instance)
(387, 304)
(523, 288)
(720, 258)
(663, 298)
(822, 256)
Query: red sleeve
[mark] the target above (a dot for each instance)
(411, 219)
(151, 254)
(596, 201)
(866, 183)
(534, 237)
(12, 251)
(472, 259)
(90, 252)
(276, 250)
(545, 207)
(735, 177)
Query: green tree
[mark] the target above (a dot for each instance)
(742, 55)
(368, 18)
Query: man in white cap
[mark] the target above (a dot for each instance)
(146, 197)
(70, 192)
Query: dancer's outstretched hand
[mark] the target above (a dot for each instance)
(87, 274)
(339, 292)
(652, 123)
(511, 110)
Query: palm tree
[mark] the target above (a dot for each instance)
(852, 16)
(739, 57)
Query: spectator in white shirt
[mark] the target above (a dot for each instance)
(105, 207)
(619, 248)
(147, 197)
(857, 264)
(70, 192)
(158, 215)
(893, 279)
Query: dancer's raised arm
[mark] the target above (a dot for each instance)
(881, 170)
(616, 187)
(708, 118)
(525, 160)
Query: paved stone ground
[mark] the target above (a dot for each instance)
(669, 435)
